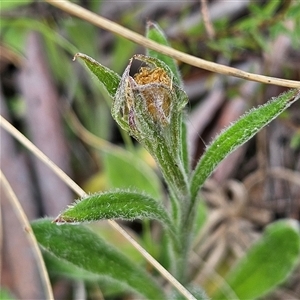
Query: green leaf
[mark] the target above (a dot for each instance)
(295, 141)
(114, 205)
(6, 5)
(123, 49)
(81, 33)
(5, 295)
(237, 134)
(270, 8)
(268, 262)
(62, 268)
(121, 204)
(15, 30)
(155, 33)
(107, 77)
(246, 24)
(111, 237)
(80, 247)
(195, 290)
(127, 170)
(294, 11)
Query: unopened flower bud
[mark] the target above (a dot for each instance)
(155, 86)
(146, 104)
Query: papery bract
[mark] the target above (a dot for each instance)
(149, 104)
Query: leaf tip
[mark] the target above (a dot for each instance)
(150, 24)
(60, 220)
(78, 54)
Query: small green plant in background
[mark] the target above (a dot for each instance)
(150, 107)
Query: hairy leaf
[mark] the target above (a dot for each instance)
(237, 134)
(84, 250)
(267, 263)
(107, 77)
(119, 204)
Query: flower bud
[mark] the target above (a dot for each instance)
(155, 86)
(148, 104)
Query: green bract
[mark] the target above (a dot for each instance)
(107, 77)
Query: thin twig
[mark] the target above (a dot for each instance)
(77, 189)
(31, 237)
(206, 20)
(113, 27)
